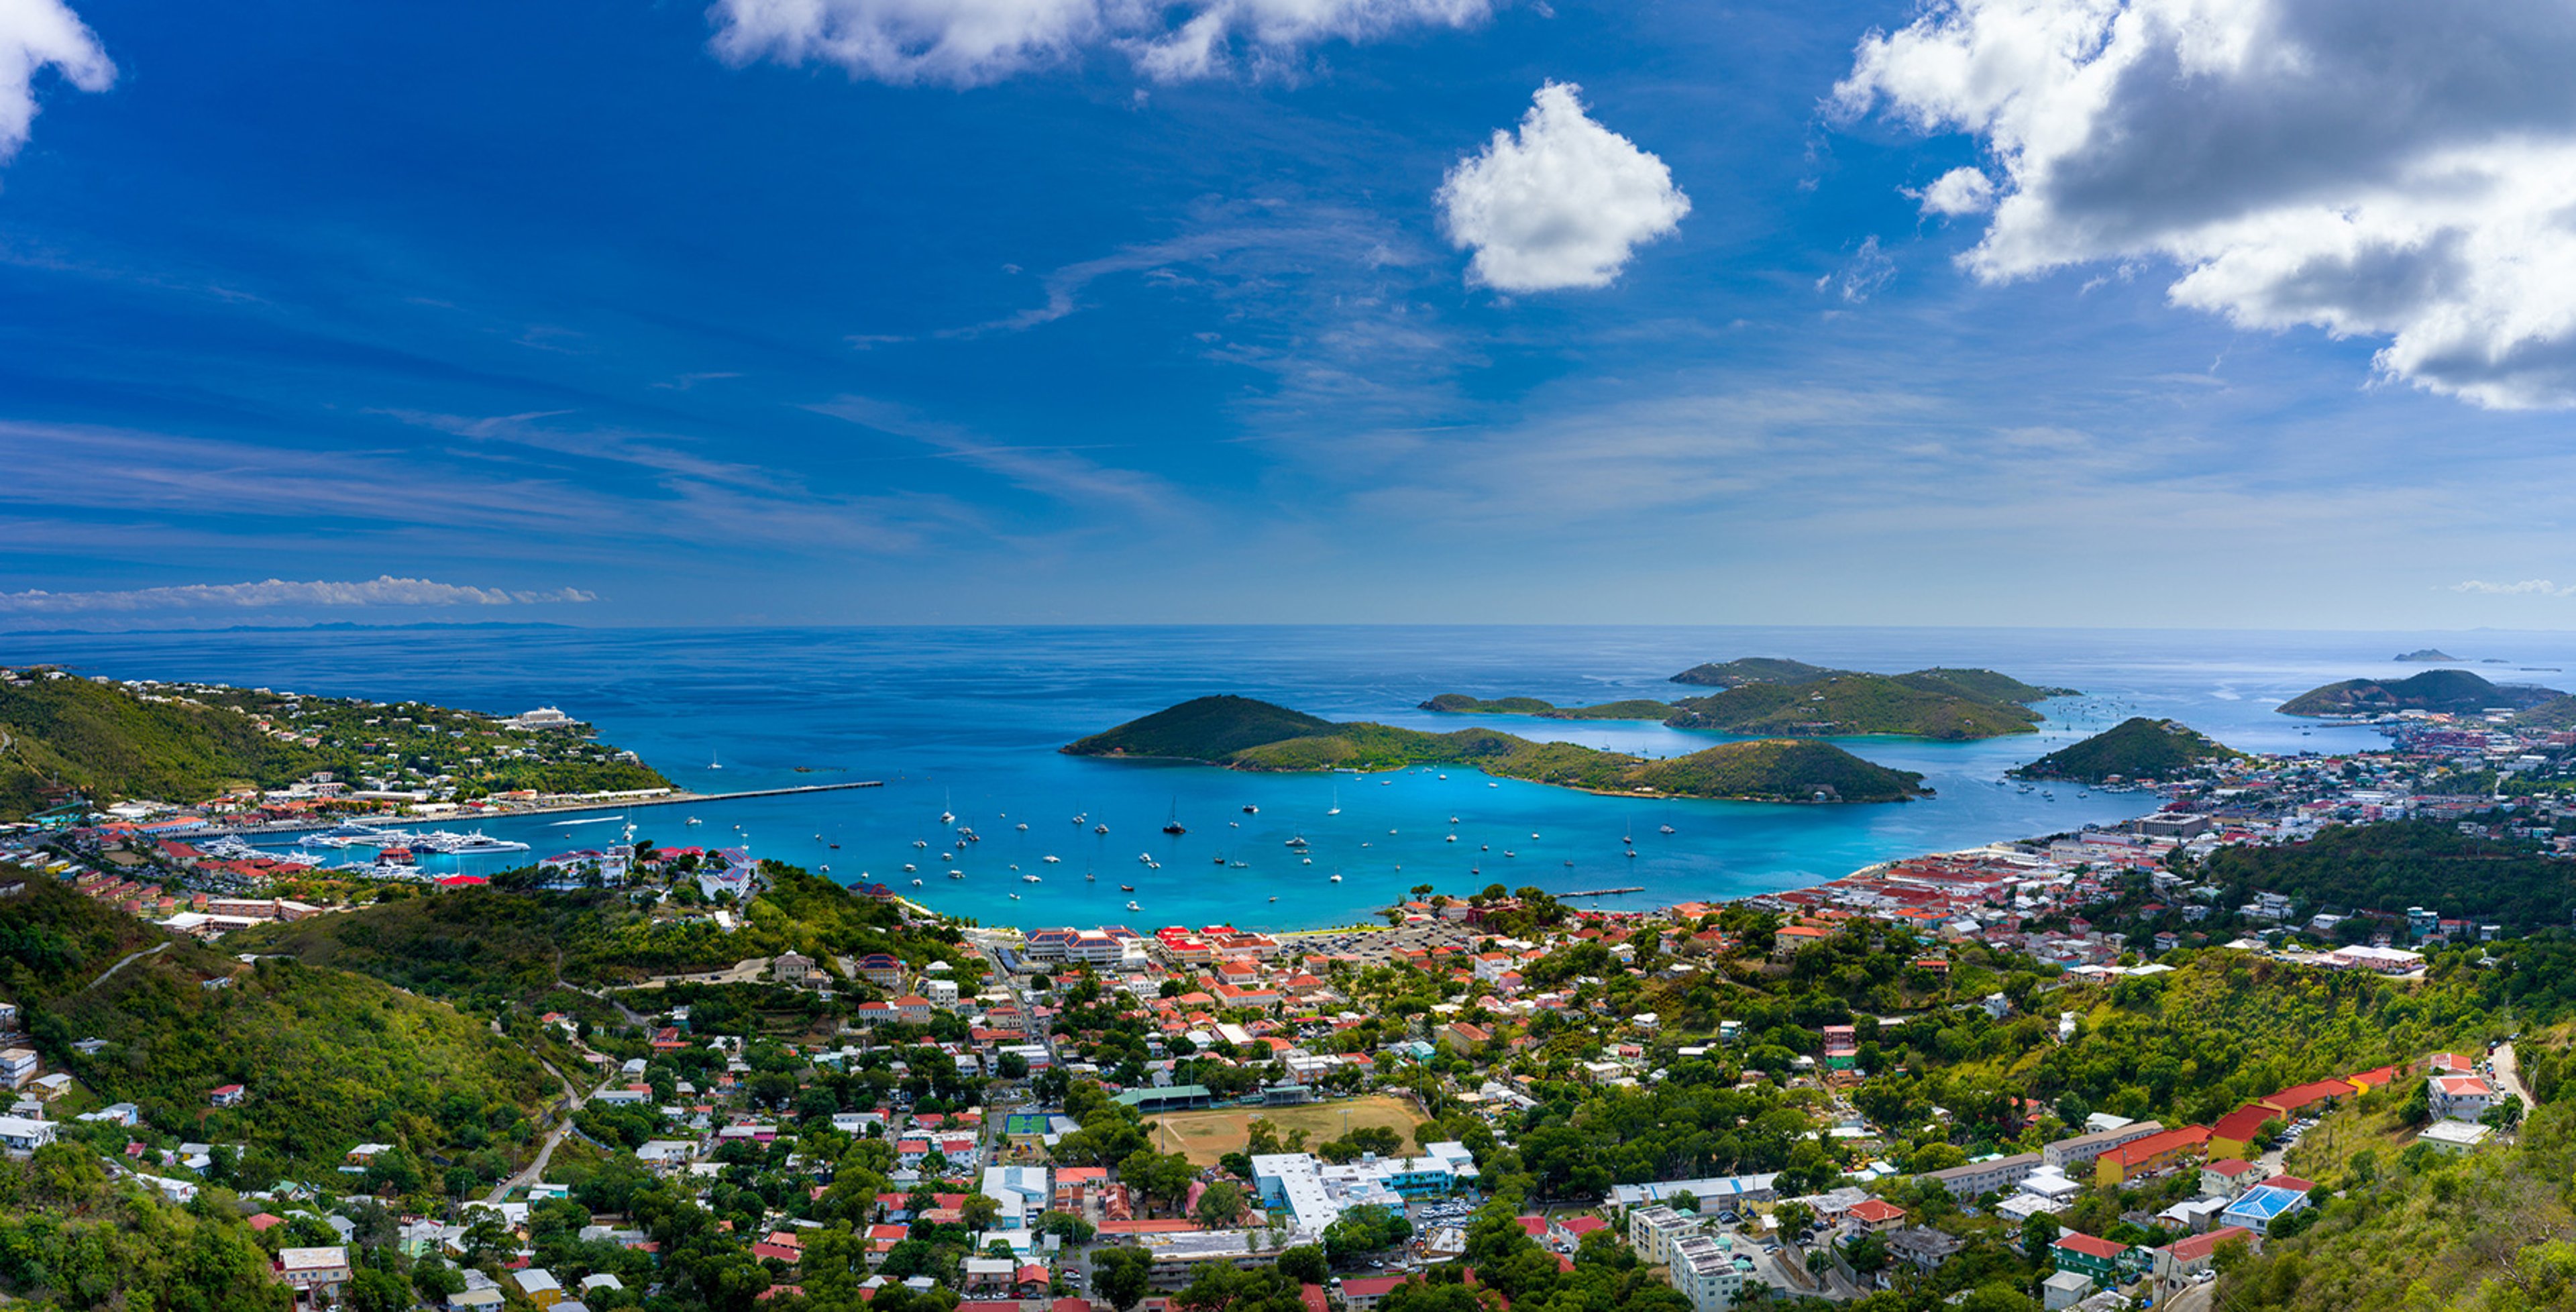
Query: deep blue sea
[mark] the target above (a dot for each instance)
(969, 720)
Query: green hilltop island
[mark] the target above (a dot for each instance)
(2442, 692)
(2136, 750)
(1241, 733)
(1768, 695)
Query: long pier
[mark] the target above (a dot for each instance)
(1600, 892)
(547, 808)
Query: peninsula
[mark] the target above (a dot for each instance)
(1640, 708)
(2136, 749)
(2450, 692)
(1244, 734)
(1769, 695)
(63, 736)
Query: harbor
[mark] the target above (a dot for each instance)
(582, 806)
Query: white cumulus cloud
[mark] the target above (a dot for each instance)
(1959, 191)
(1562, 204)
(2523, 588)
(973, 42)
(36, 35)
(385, 590)
(2398, 170)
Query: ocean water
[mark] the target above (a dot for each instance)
(969, 719)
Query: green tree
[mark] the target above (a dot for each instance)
(1120, 1275)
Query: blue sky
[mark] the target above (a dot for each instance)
(593, 313)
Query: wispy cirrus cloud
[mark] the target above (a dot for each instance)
(383, 590)
(1055, 471)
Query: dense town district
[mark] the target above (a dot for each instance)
(2298, 1037)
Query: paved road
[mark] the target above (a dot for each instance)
(2508, 1070)
(147, 952)
(536, 1170)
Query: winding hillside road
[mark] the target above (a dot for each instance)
(128, 959)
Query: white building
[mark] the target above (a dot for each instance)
(20, 1136)
(2460, 1097)
(1318, 1193)
(1022, 1192)
(1709, 1272)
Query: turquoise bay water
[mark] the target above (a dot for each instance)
(969, 720)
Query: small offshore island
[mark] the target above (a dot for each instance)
(2136, 751)
(1768, 695)
(1241, 733)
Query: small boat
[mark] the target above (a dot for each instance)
(1131, 905)
(916, 883)
(1491, 784)
(1240, 865)
(1145, 858)
(1249, 809)
(1100, 829)
(1307, 862)
(1452, 838)
(1089, 877)
(1051, 860)
(1080, 818)
(1444, 776)
(1569, 863)
(1274, 897)
(1172, 825)
(825, 869)
(956, 874)
(1533, 838)
(1453, 819)
(1032, 879)
(1024, 826)
(1337, 803)
(1126, 888)
(1632, 854)
(693, 820)
(947, 856)
(836, 847)
(1220, 858)
(1337, 879)
(1390, 833)
(1509, 853)
(818, 838)
(1668, 829)
(713, 763)
(1299, 841)
(909, 867)
(1015, 897)
(921, 842)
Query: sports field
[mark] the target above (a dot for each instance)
(1206, 1136)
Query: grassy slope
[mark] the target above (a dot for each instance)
(2557, 713)
(494, 945)
(2453, 691)
(110, 744)
(1857, 704)
(2137, 748)
(333, 1057)
(1750, 771)
(2394, 865)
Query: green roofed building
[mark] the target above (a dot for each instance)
(1178, 1098)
